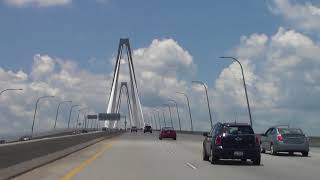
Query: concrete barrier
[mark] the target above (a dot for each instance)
(314, 141)
(19, 157)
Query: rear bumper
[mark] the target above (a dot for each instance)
(223, 153)
(168, 136)
(283, 147)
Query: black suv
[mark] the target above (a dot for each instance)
(147, 129)
(231, 141)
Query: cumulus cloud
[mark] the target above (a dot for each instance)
(281, 78)
(65, 80)
(38, 3)
(302, 16)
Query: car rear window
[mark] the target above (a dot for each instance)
(289, 131)
(238, 130)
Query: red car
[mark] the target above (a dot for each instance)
(168, 132)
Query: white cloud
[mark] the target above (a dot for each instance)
(38, 3)
(283, 81)
(302, 16)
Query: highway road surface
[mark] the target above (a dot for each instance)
(139, 156)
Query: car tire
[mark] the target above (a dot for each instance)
(213, 159)
(256, 161)
(160, 138)
(174, 138)
(291, 153)
(205, 157)
(272, 150)
(305, 153)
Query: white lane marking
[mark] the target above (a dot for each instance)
(191, 165)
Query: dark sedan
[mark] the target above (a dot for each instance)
(231, 141)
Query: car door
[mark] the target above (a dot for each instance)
(269, 139)
(264, 139)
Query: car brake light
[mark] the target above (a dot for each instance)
(257, 140)
(279, 137)
(218, 140)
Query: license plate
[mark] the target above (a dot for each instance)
(238, 153)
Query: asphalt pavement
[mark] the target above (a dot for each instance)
(139, 156)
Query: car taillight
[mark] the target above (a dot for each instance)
(218, 140)
(279, 137)
(257, 140)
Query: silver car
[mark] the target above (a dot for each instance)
(284, 139)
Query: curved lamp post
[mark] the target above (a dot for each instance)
(10, 90)
(35, 111)
(244, 85)
(185, 95)
(158, 117)
(73, 106)
(169, 113)
(205, 87)
(57, 114)
(171, 100)
(79, 111)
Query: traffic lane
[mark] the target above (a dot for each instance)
(60, 167)
(139, 156)
(143, 156)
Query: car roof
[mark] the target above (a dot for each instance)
(235, 124)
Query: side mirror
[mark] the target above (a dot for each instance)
(205, 134)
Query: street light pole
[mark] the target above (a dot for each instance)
(55, 122)
(10, 90)
(155, 118)
(154, 121)
(35, 112)
(79, 111)
(244, 85)
(170, 113)
(177, 111)
(188, 107)
(205, 87)
(73, 106)
(158, 117)
(164, 119)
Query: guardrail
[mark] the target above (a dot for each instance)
(19, 157)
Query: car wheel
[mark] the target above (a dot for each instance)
(160, 138)
(262, 149)
(272, 150)
(204, 155)
(291, 153)
(213, 159)
(305, 154)
(174, 138)
(256, 161)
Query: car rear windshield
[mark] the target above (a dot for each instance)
(289, 131)
(238, 130)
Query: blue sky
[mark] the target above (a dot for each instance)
(66, 48)
(86, 29)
